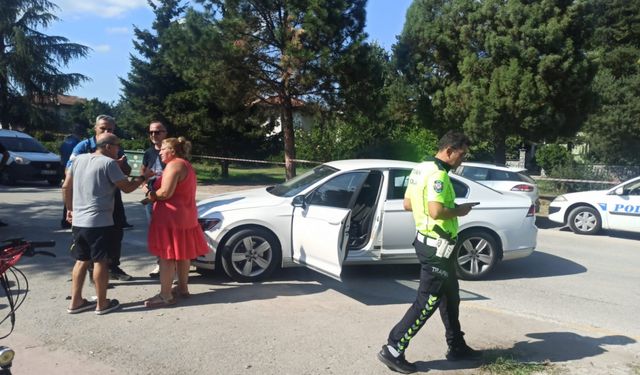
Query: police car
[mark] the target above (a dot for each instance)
(590, 211)
(350, 212)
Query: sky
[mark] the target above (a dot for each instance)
(106, 26)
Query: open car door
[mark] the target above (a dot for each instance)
(320, 223)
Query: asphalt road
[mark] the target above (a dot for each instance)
(574, 302)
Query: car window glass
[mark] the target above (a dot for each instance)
(338, 191)
(632, 188)
(297, 184)
(474, 173)
(526, 178)
(497, 175)
(460, 189)
(19, 144)
(398, 181)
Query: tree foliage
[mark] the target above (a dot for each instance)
(151, 81)
(30, 61)
(290, 50)
(613, 130)
(498, 68)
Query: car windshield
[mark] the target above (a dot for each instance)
(22, 144)
(297, 184)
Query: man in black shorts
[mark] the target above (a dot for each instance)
(88, 193)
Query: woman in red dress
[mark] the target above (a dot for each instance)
(174, 233)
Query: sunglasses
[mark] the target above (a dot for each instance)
(154, 132)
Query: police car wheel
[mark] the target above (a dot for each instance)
(476, 254)
(251, 255)
(584, 220)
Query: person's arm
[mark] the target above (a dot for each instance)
(439, 212)
(67, 194)
(406, 204)
(172, 174)
(122, 163)
(127, 186)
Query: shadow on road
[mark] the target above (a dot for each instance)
(545, 346)
(538, 264)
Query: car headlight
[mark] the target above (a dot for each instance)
(559, 198)
(208, 224)
(20, 160)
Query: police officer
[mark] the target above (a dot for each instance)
(430, 196)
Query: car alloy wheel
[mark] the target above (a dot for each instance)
(584, 220)
(251, 255)
(476, 254)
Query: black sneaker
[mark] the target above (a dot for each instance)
(116, 273)
(398, 364)
(463, 352)
(127, 226)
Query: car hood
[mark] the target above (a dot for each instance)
(37, 156)
(244, 199)
(585, 195)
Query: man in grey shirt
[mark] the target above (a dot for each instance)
(88, 193)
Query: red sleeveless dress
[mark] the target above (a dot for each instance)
(174, 232)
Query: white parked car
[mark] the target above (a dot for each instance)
(588, 212)
(501, 178)
(351, 212)
(28, 160)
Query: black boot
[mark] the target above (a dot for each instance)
(462, 351)
(398, 364)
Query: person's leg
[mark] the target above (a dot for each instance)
(101, 281)
(77, 283)
(167, 271)
(119, 215)
(182, 266)
(426, 303)
(450, 312)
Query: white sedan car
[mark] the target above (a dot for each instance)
(589, 211)
(501, 178)
(351, 212)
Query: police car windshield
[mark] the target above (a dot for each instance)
(20, 144)
(297, 184)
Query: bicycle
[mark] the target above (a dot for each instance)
(10, 254)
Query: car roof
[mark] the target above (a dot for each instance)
(13, 134)
(352, 164)
(494, 166)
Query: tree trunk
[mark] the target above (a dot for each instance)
(499, 151)
(224, 168)
(289, 141)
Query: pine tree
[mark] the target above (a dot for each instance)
(30, 61)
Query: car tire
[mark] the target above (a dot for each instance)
(476, 254)
(6, 178)
(251, 255)
(584, 220)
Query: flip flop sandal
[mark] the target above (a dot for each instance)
(159, 301)
(176, 293)
(111, 306)
(86, 305)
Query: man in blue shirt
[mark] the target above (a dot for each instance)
(66, 148)
(107, 124)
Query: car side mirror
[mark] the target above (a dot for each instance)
(619, 191)
(299, 201)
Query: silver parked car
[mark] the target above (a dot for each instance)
(350, 212)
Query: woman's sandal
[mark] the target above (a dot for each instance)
(159, 301)
(177, 293)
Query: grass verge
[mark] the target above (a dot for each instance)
(499, 362)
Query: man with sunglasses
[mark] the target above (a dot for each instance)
(151, 161)
(107, 124)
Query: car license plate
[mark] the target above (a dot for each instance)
(50, 172)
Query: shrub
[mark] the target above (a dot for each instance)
(552, 156)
